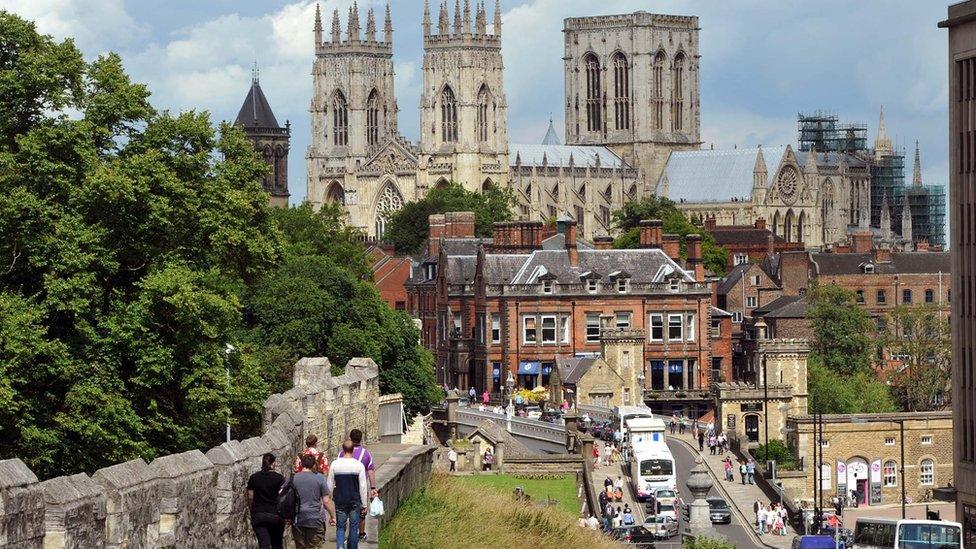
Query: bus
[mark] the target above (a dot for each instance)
(876, 533)
(643, 432)
(652, 467)
(623, 413)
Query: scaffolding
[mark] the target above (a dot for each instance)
(822, 132)
(887, 180)
(928, 205)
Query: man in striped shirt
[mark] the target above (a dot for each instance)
(362, 455)
(347, 483)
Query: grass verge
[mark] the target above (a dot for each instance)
(449, 513)
(562, 489)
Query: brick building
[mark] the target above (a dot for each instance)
(526, 297)
(749, 243)
(863, 452)
(391, 272)
(746, 287)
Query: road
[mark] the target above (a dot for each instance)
(685, 461)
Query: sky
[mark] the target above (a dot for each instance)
(762, 61)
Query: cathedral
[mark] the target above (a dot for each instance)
(631, 97)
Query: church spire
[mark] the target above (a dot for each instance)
(457, 16)
(551, 137)
(442, 24)
(885, 218)
(467, 16)
(917, 176)
(354, 22)
(388, 26)
(426, 17)
(370, 26)
(480, 20)
(906, 221)
(318, 25)
(498, 18)
(336, 29)
(882, 145)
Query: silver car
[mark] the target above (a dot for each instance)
(663, 526)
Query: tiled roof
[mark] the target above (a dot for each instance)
(787, 306)
(733, 277)
(559, 155)
(495, 433)
(901, 263)
(256, 112)
(643, 265)
(572, 369)
(743, 234)
(715, 176)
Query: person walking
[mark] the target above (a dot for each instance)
(727, 465)
(712, 442)
(751, 471)
(771, 516)
(628, 519)
(485, 397)
(348, 484)
(487, 460)
(761, 520)
(361, 454)
(262, 503)
(784, 517)
(743, 471)
(617, 518)
(452, 458)
(593, 523)
(308, 530)
(321, 462)
(701, 441)
(681, 426)
(472, 394)
(596, 455)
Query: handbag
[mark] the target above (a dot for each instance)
(376, 507)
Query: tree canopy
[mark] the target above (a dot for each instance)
(628, 219)
(839, 373)
(408, 228)
(137, 246)
(918, 337)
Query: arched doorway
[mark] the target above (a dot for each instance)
(441, 183)
(858, 479)
(335, 194)
(752, 427)
(788, 222)
(799, 226)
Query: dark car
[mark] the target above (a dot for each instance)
(636, 535)
(718, 511)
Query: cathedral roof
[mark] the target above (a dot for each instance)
(715, 176)
(256, 112)
(551, 138)
(559, 155)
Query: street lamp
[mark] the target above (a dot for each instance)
(509, 385)
(901, 462)
(760, 337)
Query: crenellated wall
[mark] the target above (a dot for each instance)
(192, 499)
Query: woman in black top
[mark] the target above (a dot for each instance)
(262, 501)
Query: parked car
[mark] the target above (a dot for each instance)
(662, 526)
(718, 511)
(667, 510)
(636, 535)
(665, 495)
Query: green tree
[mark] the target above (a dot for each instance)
(129, 239)
(701, 542)
(627, 219)
(842, 330)
(835, 393)
(408, 227)
(919, 336)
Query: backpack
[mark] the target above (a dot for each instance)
(288, 501)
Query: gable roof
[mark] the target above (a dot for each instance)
(715, 176)
(901, 263)
(495, 434)
(732, 278)
(572, 369)
(743, 234)
(256, 111)
(641, 265)
(787, 306)
(559, 155)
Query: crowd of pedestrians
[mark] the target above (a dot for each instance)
(770, 519)
(318, 494)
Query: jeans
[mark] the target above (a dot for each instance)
(269, 530)
(352, 515)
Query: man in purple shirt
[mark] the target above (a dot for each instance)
(363, 456)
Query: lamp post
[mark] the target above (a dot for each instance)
(760, 337)
(509, 385)
(901, 462)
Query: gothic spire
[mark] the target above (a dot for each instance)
(370, 26)
(318, 25)
(442, 24)
(882, 145)
(885, 218)
(457, 16)
(760, 166)
(480, 21)
(426, 17)
(498, 18)
(467, 16)
(388, 26)
(917, 176)
(336, 29)
(354, 22)
(906, 221)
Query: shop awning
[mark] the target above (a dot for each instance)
(528, 368)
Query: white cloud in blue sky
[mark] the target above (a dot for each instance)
(762, 61)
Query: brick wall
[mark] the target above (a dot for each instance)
(194, 499)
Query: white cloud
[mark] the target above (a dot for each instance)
(96, 25)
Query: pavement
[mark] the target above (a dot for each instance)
(738, 495)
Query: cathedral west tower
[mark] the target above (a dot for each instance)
(632, 85)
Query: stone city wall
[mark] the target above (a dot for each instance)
(193, 499)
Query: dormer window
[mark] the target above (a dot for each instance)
(592, 281)
(868, 268)
(623, 284)
(547, 286)
(674, 285)
(591, 286)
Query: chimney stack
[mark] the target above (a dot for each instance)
(571, 243)
(761, 223)
(882, 255)
(650, 233)
(671, 245)
(695, 256)
(435, 225)
(710, 223)
(459, 224)
(862, 241)
(603, 242)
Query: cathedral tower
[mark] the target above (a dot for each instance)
(354, 108)
(632, 85)
(463, 111)
(270, 140)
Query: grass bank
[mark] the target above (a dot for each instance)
(451, 513)
(562, 489)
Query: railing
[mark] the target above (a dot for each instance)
(522, 427)
(677, 394)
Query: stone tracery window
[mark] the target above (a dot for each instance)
(389, 202)
(657, 77)
(484, 100)
(340, 119)
(787, 183)
(593, 91)
(373, 118)
(449, 120)
(677, 93)
(621, 92)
